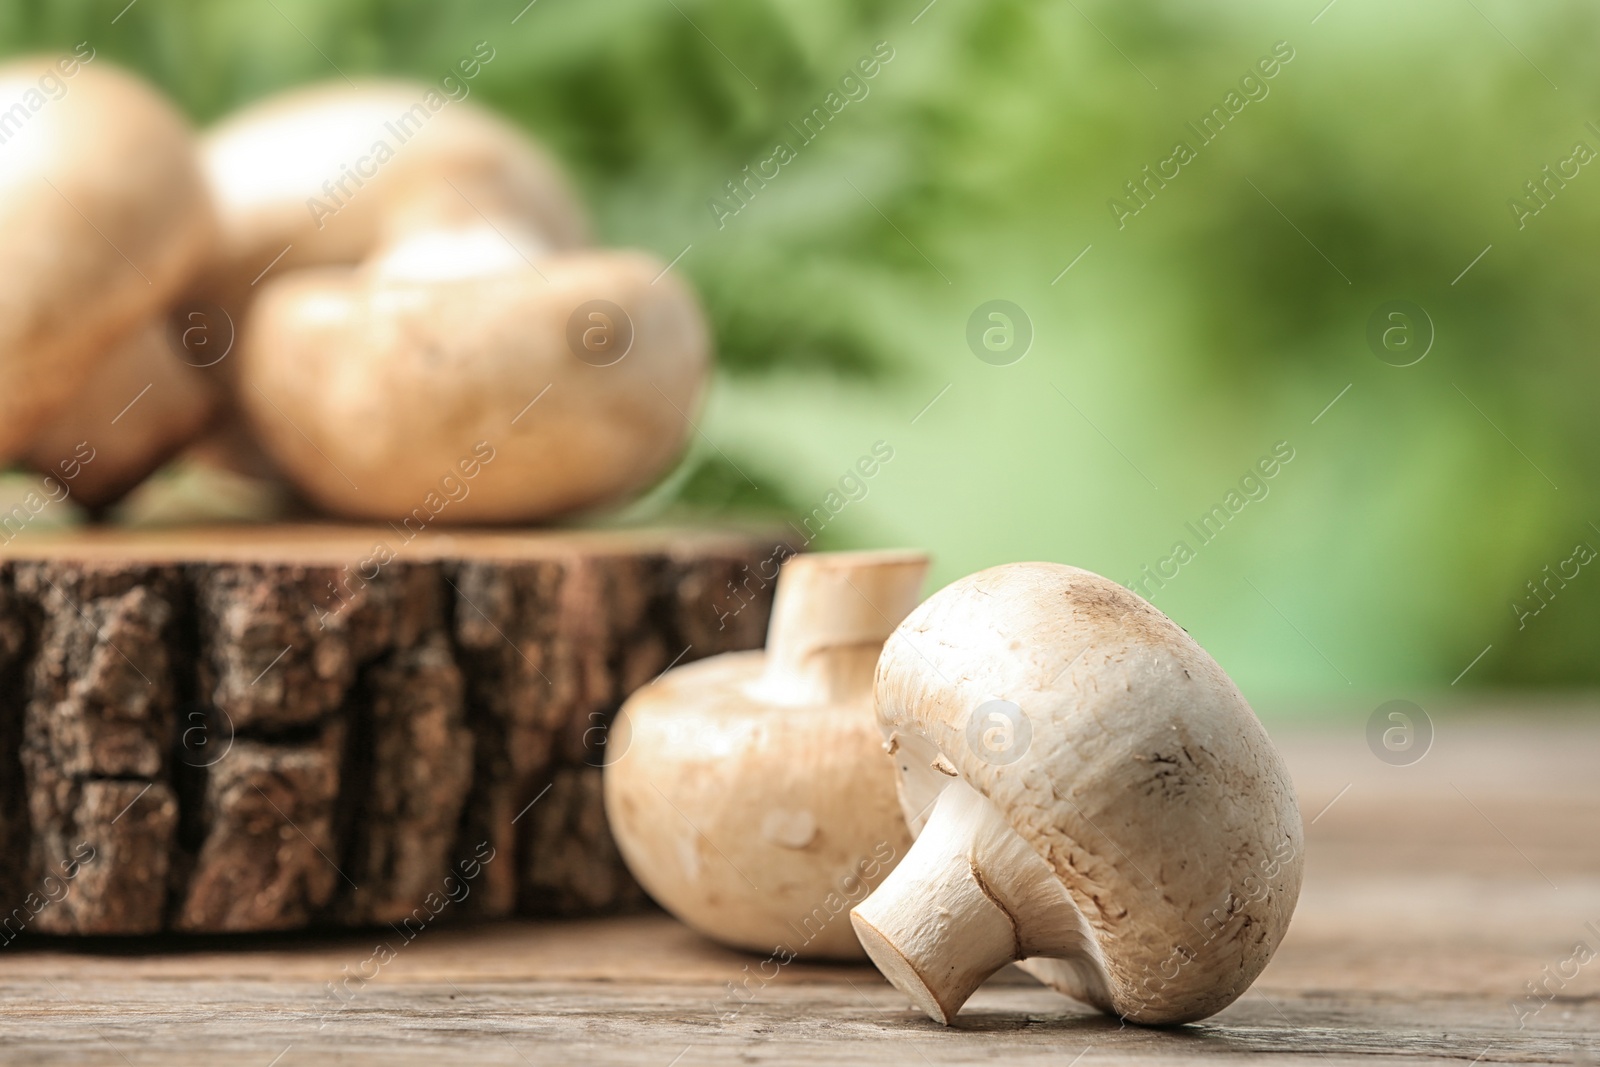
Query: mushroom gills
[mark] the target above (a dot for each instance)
(971, 896)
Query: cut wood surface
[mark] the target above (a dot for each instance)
(249, 729)
(1443, 906)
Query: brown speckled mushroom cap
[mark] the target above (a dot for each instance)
(104, 215)
(1119, 752)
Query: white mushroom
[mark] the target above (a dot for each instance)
(455, 386)
(333, 174)
(749, 793)
(422, 293)
(141, 406)
(1090, 794)
(105, 218)
(329, 174)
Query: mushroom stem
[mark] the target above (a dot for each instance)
(969, 897)
(830, 617)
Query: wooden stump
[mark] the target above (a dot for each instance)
(242, 729)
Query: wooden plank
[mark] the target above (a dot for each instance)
(1435, 894)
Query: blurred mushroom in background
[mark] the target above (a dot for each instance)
(107, 219)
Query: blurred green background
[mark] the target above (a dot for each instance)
(1177, 351)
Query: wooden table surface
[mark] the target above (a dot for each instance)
(1436, 895)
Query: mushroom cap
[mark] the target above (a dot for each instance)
(1125, 757)
(370, 387)
(105, 216)
(138, 408)
(780, 817)
(334, 171)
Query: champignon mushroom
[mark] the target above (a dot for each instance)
(105, 216)
(749, 792)
(141, 406)
(329, 174)
(560, 384)
(423, 294)
(1090, 793)
(335, 174)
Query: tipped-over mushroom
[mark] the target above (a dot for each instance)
(105, 216)
(1090, 793)
(749, 792)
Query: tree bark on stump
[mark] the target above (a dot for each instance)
(249, 729)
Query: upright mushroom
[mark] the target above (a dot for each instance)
(451, 381)
(749, 792)
(1090, 793)
(330, 175)
(425, 341)
(105, 218)
(142, 405)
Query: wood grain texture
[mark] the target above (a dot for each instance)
(248, 729)
(1441, 902)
